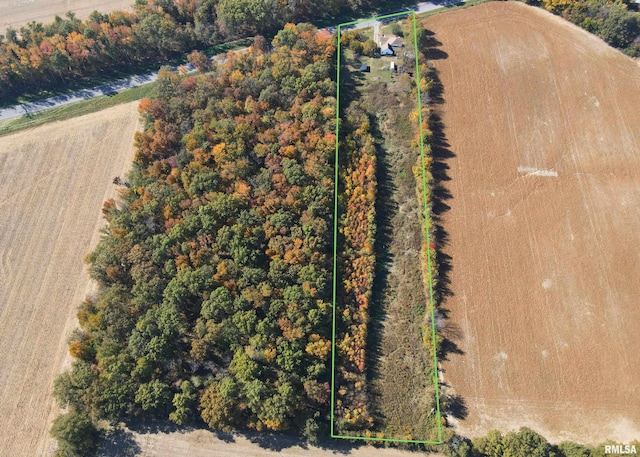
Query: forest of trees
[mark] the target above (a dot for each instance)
(214, 301)
(46, 56)
(615, 21)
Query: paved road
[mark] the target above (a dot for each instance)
(138, 80)
(87, 94)
(376, 32)
(422, 7)
(79, 95)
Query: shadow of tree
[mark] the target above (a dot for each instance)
(441, 153)
(456, 407)
(279, 441)
(119, 443)
(142, 425)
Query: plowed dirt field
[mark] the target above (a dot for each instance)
(53, 181)
(16, 13)
(543, 124)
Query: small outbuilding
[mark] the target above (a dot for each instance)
(365, 68)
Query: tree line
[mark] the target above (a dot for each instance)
(356, 269)
(424, 184)
(524, 442)
(615, 21)
(41, 57)
(214, 301)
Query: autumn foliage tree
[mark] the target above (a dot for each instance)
(357, 267)
(41, 57)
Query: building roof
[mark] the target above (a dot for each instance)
(395, 41)
(391, 40)
(385, 49)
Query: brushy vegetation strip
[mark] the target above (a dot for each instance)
(357, 267)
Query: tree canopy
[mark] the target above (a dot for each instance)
(41, 56)
(214, 269)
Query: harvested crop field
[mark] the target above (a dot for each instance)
(543, 132)
(16, 13)
(53, 181)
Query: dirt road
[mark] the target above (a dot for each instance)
(543, 228)
(53, 181)
(202, 443)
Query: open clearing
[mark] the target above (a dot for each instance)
(543, 225)
(53, 181)
(16, 13)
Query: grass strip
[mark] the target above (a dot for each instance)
(427, 229)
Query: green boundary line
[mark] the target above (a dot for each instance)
(427, 229)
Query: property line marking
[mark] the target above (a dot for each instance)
(335, 237)
(427, 225)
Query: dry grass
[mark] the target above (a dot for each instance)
(543, 229)
(16, 13)
(53, 180)
(401, 378)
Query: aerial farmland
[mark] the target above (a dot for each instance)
(543, 127)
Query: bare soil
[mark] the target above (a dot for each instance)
(16, 13)
(543, 122)
(203, 443)
(53, 181)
